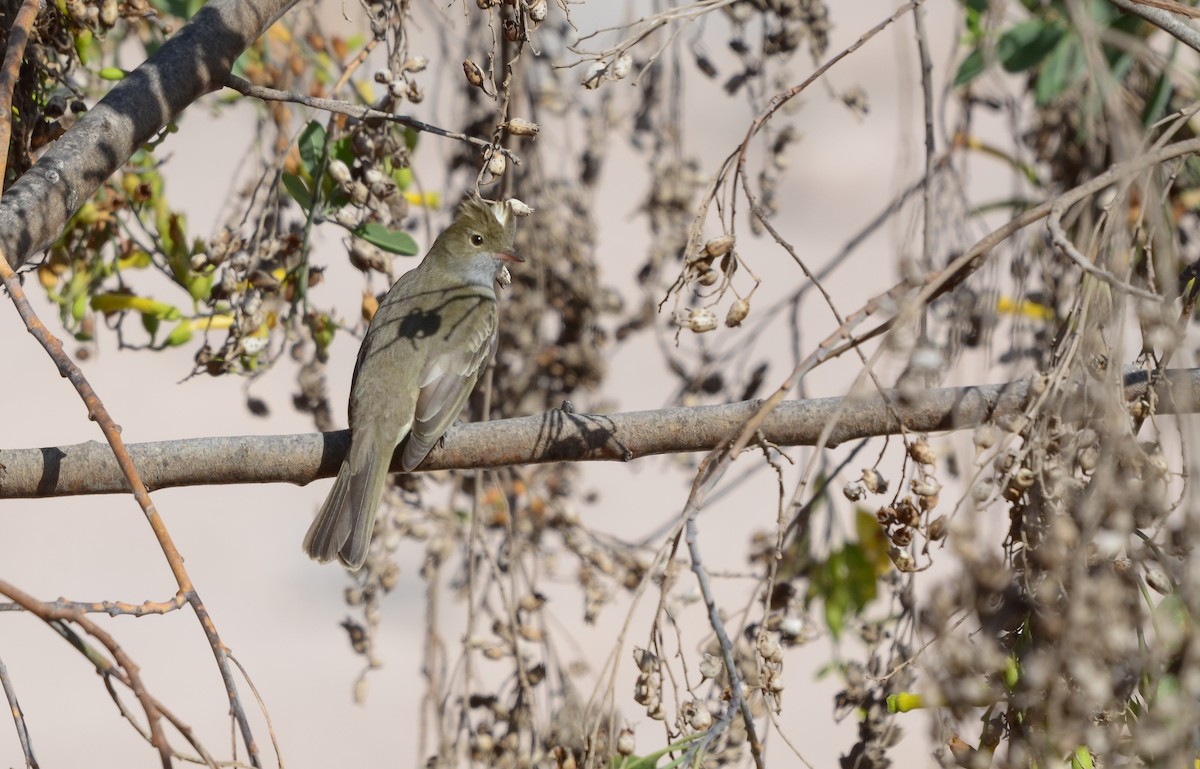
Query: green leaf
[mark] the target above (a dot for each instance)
(297, 189)
(1025, 45)
(971, 68)
(392, 241)
(1063, 66)
(312, 146)
(150, 323)
(403, 177)
(181, 334)
(343, 150)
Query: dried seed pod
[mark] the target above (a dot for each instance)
(415, 64)
(537, 10)
(1157, 579)
(737, 313)
(519, 208)
(708, 278)
(902, 537)
(937, 528)
(769, 649)
(854, 491)
(701, 320)
(902, 559)
(359, 193)
(874, 481)
(496, 164)
(717, 247)
(531, 602)
(621, 67)
(521, 127)
(907, 512)
(473, 72)
(699, 718)
(347, 216)
(109, 13)
(339, 171)
(925, 487)
(985, 436)
(626, 742)
(595, 74)
(366, 257)
(512, 31)
(921, 452)
(710, 666)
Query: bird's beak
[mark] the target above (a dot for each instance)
(509, 256)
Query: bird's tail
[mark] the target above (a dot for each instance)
(343, 526)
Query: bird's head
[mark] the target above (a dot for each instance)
(479, 239)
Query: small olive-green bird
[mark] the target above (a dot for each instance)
(422, 354)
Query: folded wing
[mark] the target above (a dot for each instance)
(447, 382)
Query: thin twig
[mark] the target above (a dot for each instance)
(927, 103)
(114, 608)
(737, 692)
(49, 614)
(14, 707)
(1059, 238)
(262, 708)
(246, 88)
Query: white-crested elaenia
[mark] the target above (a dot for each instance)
(422, 354)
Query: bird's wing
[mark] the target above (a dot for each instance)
(448, 379)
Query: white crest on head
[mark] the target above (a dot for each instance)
(502, 211)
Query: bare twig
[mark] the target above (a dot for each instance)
(737, 691)
(927, 103)
(246, 88)
(1059, 237)
(49, 614)
(14, 707)
(114, 608)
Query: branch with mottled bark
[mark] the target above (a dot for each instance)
(195, 61)
(555, 436)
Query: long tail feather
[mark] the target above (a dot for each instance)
(343, 526)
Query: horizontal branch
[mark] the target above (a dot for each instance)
(555, 436)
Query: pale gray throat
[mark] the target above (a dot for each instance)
(483, 270)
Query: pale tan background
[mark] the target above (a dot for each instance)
(277, 610)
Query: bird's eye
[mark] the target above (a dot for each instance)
(477, 239)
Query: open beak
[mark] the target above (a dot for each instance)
(509, 256)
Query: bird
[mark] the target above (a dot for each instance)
(419, 361)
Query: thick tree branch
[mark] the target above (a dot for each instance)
(556, 436)
(196, 61)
